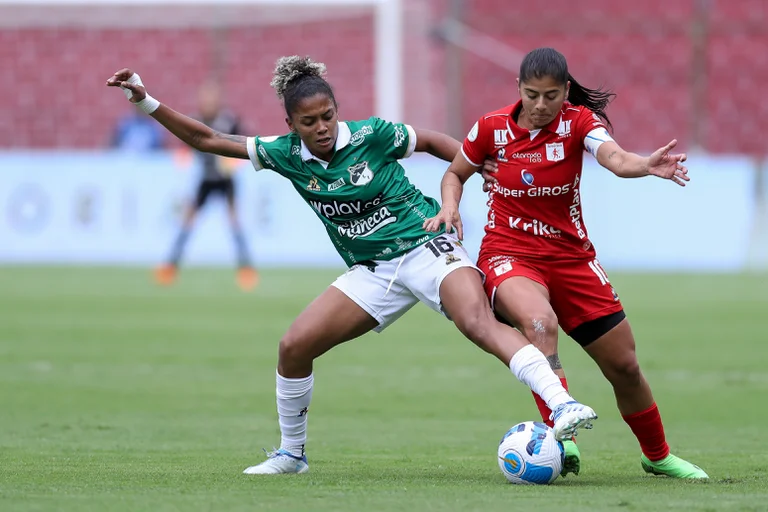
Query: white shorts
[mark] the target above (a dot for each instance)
(387, 289)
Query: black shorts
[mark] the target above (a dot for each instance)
(208, 187)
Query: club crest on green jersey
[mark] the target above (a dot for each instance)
(360, 174)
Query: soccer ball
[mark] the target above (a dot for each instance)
(530, 454)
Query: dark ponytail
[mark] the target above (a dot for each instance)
(596, 100)
(543, 62)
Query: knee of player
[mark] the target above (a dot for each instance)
(540, 327)
(624, 367)
(291, 348)
(475, 324)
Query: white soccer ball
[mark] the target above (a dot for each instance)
(530, 454)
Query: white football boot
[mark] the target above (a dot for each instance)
(569, 417)
(279, 462)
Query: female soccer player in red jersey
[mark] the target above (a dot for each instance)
(540, 265)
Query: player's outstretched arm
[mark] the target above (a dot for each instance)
(630, 165)
(436, 144)
(188, 130)
(446, 148)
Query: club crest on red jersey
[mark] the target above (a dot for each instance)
(555, 152)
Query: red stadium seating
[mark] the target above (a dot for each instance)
(644, 51)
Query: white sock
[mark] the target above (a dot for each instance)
(293, 397)
(532, 369)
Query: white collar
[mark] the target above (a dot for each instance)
(341, 140)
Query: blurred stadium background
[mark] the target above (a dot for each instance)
(118, 394)
(685, 69)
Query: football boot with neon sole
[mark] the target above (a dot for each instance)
(572, 458)
(672, 466)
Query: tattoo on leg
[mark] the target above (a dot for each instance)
(540, 333)
(554, 362)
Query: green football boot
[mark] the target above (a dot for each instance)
(572, 463)
(672, 466)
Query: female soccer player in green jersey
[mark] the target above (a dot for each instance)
(348, 172)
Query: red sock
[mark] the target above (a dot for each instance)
(649, 431)
(543, 409)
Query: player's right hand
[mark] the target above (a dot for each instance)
(487, 171)
(449, 216)
(120, 79)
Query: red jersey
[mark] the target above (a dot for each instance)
(535, 208)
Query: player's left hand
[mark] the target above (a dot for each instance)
(449, 216)
(669, 166)
(487, 171)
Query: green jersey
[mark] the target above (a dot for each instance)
(367, 205)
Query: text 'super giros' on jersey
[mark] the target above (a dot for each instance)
(535, 208)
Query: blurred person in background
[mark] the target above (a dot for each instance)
(541, 268)
(134, 132)
(216, 180)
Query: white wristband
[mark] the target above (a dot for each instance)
(148, 104)
(134, 79)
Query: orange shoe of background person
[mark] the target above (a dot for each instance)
(247, 278)
(165, 275)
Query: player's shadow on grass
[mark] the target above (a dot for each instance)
(454, 474)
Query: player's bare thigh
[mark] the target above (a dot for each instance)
(331, 319)
(525, 304)
(464, 300)
(462, 295)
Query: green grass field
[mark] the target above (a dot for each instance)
(117, 395)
